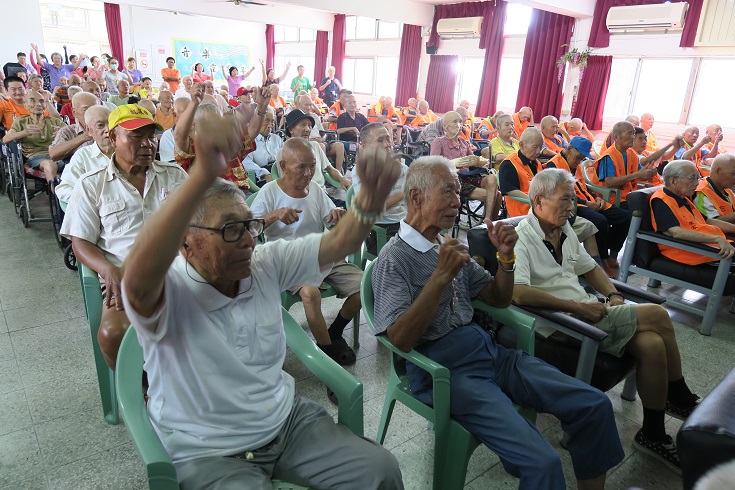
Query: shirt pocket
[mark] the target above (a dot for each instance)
(260, 339)
(114, 217)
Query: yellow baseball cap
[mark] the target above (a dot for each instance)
(131, 117)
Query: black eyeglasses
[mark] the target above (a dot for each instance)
(233, 232)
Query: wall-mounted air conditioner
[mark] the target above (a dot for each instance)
(638, 18)
(461, 27)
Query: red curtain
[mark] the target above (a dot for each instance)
(592, 91)
(270, 46)
(539, 87)
(492, 40)
(320, 56)
(114, 30)
(408, 64)
(689, 34)
(441, 82)
(453, 11)
(338, 44)
(600, 36)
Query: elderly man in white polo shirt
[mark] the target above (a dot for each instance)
(267, 147)
(69, 138)
(295, 206)
(549, 261)
(205, 302)
(109, 206)
(88, 157)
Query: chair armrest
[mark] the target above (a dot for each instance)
(605, 192)
(637, 295)
(331, 180)
(523, 324)
(523, 200)
(699, 248)
(347, 388)
(571, 326)
(92, 296)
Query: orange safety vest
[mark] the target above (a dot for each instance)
(552, 145)
(620, 169)
(525, 175)
(423, 119)
(580, 186)
(518, 126)
(689, 219)
(337, 107)
(377, 110)
(697, 159)
(584, 134)
(487, 125)
(723, 206)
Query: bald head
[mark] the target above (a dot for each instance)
(83, 98)
(423, 106)
(294, 149)
(525, 114)
(531, 143)
(303, 103)
(574, 125)
(722, 171)
(624, 135)
(713, 130)
(549, 126)
(463, 113)
(149, 105)
(646, 121)
(633, 119)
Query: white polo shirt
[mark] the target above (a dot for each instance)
(322, 163)
(535, 266)
(315, 208)
(84, 159)
(214, 363)
(107, 210)
(267, 150)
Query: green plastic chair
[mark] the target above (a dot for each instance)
(159, 468)
(363, 256)
(607, 193)
(105, 376)
(453, 444)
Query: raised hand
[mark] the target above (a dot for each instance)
(718, 137)
(216, 139)
(197, 92)
(34, 46)
(503, 236)
(261, 96)
(378, 172)
(453, 256)
(706, 139)
(262, 62)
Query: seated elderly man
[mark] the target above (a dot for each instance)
(577, 127)
(424, 115)
(375, 134)
(333, 149)
(466, 104)
(610, 138)
(713, 130)
(550, 280)
(522, 120)
(514, 179)
(267, 147)
(351, 121)
(476, 182)
(122, 95)
(694, 150)
(166, 144)
(674, 214)
(206, 306)
(715, 198)
(186, 83)
(294, 206)
(424, 285)
(489, 126)
(646, 123)
(618, 165)
(554, 136)
(221, 101)
(35, 133)
(165, 115)
(384, 113)
(14, 106)
(505, 143)
(410, 111)
(94, 89)
(89, 157)
(612, 222)
(337, 108)
(109, 206)
(70, 138)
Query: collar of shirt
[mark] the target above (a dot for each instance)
(723, 195)
(207, 295)
(525, 160)
(681, 201)
(566, 231)
(416, 240)
(112, 171)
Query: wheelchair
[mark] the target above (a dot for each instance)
(414, 146)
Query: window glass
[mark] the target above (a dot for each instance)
(710, 103)
(350, 23)
(365, 28)
(469, 77)
(279, 34)
(386, 76)
(620, 88)
(662, 86)
(291, 34)
(517, 19)
(363, 81)
(510, 73)
(389, 30)
(348, 74)
(307, 34)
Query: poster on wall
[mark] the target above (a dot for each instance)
(145, 65)
(212, 55)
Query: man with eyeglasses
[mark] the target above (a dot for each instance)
(295, 206)
(207, 312)
(674, 214)
(110, 205)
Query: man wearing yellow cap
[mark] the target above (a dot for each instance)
(111, 204)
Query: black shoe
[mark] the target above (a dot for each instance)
(664, 450)
(332, 396)
(681, 412)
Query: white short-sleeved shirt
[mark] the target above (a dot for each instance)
(214, 363)
(267, 151)
(84, 159)
(166, 146)
(105, 209)
(322, 163)
(545, 274)
(315, 208)
(397, 212)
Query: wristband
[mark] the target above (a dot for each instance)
(364, 217)
(512, 269)
(615, 293)
(503, 261)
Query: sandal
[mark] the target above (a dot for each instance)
(340, 352)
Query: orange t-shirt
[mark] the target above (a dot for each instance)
(166, 121)
(8, 108)
(272, 102)
(171, 72)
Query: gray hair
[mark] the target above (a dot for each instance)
(204, 109)
(72, 91)
(544, 184)
(531, 135)
(367, 132)
(503, 116)
(78, 96)
(420, 174)
(676, 169)
(96, 113)
(219, 188)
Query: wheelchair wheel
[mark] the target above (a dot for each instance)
(57, 217)
(24, 215)
(70, 260)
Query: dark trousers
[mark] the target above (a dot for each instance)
(613, 227)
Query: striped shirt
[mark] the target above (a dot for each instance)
(402, 270)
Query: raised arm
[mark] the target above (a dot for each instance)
(666, 153)
(186, 119)
(265, 74)
(285, 72)
(250, 118)
(225, 75)
(499, 291)
(689, 155)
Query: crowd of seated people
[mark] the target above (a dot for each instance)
(156, 178)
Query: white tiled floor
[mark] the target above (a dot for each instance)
(52, 435)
